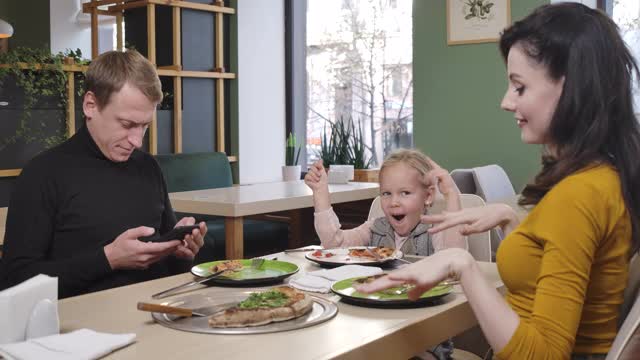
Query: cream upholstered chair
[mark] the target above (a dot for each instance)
(479, 244)
(626, 345)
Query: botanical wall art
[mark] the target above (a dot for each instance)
(476, 21)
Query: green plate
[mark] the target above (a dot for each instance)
(393, 297)
(271, 271)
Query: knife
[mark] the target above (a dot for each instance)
(184, 312)
(168, 292)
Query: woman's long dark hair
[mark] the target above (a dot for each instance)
(594, 122)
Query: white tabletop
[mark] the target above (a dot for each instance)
(265, 198)
(355, 333)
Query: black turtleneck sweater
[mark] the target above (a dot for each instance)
(71, 201)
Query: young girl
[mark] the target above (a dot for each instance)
(566, 264)
(407, 189)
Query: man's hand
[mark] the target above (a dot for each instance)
(127, 252)
(192, 242)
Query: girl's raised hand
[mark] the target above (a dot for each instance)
(440, 178)
(316, 178)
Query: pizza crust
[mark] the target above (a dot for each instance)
(299, 304)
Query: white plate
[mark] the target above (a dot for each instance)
(341, 257)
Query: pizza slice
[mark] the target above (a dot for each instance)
(382, 252)
(227, 266)
(260, 308)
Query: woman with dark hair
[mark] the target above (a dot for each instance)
(566, 265)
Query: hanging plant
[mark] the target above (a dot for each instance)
(25, 65)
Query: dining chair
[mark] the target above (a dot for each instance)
(626, 345)
(492, 183)
(463, 178)
(479, 244)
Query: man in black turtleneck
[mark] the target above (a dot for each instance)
(78, 209)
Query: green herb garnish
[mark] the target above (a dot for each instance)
(269, 298)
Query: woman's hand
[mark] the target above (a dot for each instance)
(316, 179)
(474, 220)
(424, 274)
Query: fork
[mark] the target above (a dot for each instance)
(256, 263)
(375, 254)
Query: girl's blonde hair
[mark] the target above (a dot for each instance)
(413, 158)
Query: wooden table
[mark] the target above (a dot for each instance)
(355, 333)
(236, 202)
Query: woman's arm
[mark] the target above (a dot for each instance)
(475, 220)
(496, 318)
(451, 237)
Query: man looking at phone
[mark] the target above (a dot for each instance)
(78, 210)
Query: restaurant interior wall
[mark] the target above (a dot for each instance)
(259, 89)
(458, 119)
(30, 21)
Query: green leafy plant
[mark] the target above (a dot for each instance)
(25, 66)
(345, 145)
(292, 156)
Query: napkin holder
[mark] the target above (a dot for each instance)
(29, 310)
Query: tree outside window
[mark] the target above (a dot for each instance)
(359, 69)
(626, 13)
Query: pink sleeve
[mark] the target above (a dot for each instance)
(331, 236)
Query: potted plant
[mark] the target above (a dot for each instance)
(291, 170)
(35, 82)
(345, 146)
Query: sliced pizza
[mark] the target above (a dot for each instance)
(261, 308)
(227, 266)
(381, 251)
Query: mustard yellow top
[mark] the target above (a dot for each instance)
(566, 266)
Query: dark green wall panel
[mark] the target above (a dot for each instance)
(30, 21)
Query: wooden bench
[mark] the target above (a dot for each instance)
(197, 171)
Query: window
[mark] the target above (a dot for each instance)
(359, 69)
(626, 13)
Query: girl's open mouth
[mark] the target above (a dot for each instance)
(399, 217)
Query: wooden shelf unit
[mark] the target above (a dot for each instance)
(116, 8)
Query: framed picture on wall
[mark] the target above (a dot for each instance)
(476, 21)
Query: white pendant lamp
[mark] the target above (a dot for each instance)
(6, 30)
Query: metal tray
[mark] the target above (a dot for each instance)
(322, 311)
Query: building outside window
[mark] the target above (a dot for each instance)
(626, 13)
(359, 71)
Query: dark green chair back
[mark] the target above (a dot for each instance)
(196, 171)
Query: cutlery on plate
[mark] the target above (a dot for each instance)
(256, 263)
(374, 254)
(168, 292)
(173, 310)
(184, 312)
(302, 249)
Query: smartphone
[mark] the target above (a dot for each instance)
(177, 233)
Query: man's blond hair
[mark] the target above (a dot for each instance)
(108, 73)
(412, 158)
